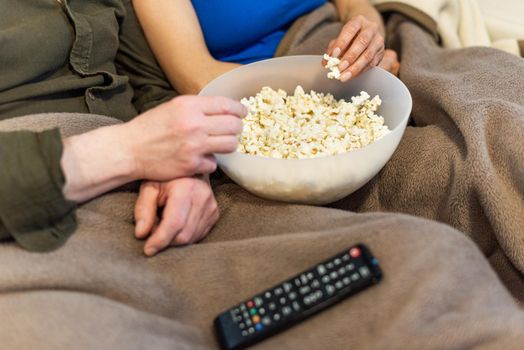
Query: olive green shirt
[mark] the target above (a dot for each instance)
(85, 56)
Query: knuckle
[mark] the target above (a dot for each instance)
(175, 225)
(223, 105)
(380, 41)
(368, 55)
(192, 163)
(183, 238)
(363, 40)
(212, 167)
(231, 144)
(163, 239)
(238, 125)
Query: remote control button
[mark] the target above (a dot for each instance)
(245, 314)
(259, 327)
(303, 278)
(241, 325)
(337, 261)
(346, 281)
(237, 319)
(341, 271)
(244, 333)
(287, 287)
(292, 296)
(276, 317)
(242, 307)
(307, 301)
(304, 290)
(262, 311)
(325, 279)
(355, 276)
(258, 301)
(250, 304)
(311, 298)
(251, 330)
(330, 289)
(339, 285)
(272, 306)
(329, 265)
(364, 271)
(282, 300)
(256, 319)
(235, 311)
(345, 257)
(286, 310)
(374, 261)
(333, 275)
(248, 322)
(267, 295)
(297, 282)
(350, 267)
(321, 269)
(278, 291)
(253, 311)
(315, 284)
(266, 321)
(296, 306)
(310, 276)
(354, 252)
(319, 294)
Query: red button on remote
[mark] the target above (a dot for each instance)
(250, 304)
(354, 252)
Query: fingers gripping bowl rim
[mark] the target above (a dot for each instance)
(319, 180)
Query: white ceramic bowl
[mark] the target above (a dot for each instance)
(318, 180)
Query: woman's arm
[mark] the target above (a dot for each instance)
(174, 33)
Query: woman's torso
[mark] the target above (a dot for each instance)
(245, 31)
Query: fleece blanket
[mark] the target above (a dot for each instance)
(464, 23)
(461, 164)
(462, 160)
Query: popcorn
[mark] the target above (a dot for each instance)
(306, 125)
(332, 65)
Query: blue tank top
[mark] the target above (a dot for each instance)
(246, 31)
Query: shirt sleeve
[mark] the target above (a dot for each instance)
(136, 60)
(33, 209)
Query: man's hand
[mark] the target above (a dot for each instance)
(360, 46)
(189, 212)
(178, 138)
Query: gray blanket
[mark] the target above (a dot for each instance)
(461, 164)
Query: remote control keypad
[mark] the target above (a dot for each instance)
(301, 293)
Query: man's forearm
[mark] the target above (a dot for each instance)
(348, 9)
(96, 162)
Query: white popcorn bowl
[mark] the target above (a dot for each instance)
(324, 179)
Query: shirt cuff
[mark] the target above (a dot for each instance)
(33, 209)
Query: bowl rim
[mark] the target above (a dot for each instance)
(359, 150)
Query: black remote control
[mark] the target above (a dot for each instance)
(297, 298)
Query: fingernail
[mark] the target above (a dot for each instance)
(336, 52)
(345, 76)
(150, 251)
(342, 66)
(139, 227)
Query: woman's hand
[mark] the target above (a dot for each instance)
(189, 212)
(360, 46)
(390, 62)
